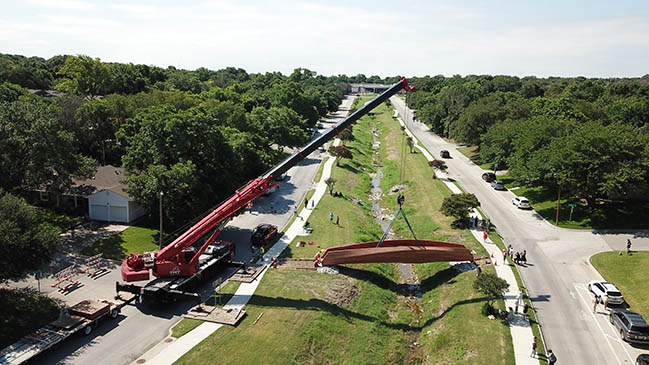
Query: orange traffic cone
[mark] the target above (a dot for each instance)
(492, 255)
(495, 263)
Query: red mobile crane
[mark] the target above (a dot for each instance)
(183, 266)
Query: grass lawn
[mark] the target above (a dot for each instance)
(629, 274)
(131, 240)
(361, 315)
(544, 202)
(22, 313)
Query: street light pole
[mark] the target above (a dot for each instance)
(161, 194)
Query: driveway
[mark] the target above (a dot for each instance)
(558, 262)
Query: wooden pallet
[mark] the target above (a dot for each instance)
(216, 314)
(248, 274)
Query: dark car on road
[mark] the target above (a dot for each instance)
(632, 327)
(263, 234)
(445, 154)
(642, 359)
(488, 177)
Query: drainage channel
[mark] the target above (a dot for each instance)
(409, 282)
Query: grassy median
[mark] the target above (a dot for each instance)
(362, 315)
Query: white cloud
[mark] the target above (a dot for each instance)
(64, 4)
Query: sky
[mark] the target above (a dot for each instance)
(386, 38)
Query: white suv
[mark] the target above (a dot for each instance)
(603, 289)
(521, 202)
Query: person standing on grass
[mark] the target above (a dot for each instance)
(331, 217)
(306, 203)
(533, 348)
(628, 246)
(526, 307)
(337, 219)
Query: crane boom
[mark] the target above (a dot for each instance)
(170, 261)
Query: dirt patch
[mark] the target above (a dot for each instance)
(341, 292)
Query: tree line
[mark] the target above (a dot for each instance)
(194, 135)
(588, 136)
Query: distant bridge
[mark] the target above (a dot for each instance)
(368, 88)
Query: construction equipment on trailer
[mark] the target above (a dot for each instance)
(166, 289)
(81, 318)
(173, 261)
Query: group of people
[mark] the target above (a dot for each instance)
(519, 258)
(476, 222)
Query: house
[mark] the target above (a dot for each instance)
(106, 196)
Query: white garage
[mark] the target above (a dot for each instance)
(110, 202)
(107, 205)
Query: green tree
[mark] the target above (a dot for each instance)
(36, 151)
(278, 125)
(491, 285)
(346, 134)
(85, 76)
(410, 142)
(25, 242)
(595, 161)
(196, 159)
(340, 152)
(459, 206)
(10, 92)
(437, 164)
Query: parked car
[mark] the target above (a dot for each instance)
(633, 328)
(498, 185)
(281, 177)
(262, 234)
(488, 177)
(521, 202)
(320, 126)
(602, 289)
(445, 154)
(642, 359)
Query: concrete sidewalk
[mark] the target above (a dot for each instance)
(520, 328)
(169, 352)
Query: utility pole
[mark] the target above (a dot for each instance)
(161, 194)
(556, 221)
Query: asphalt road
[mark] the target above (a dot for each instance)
(139, 328)
(558, 263)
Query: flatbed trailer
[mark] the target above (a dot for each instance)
(81, 318)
